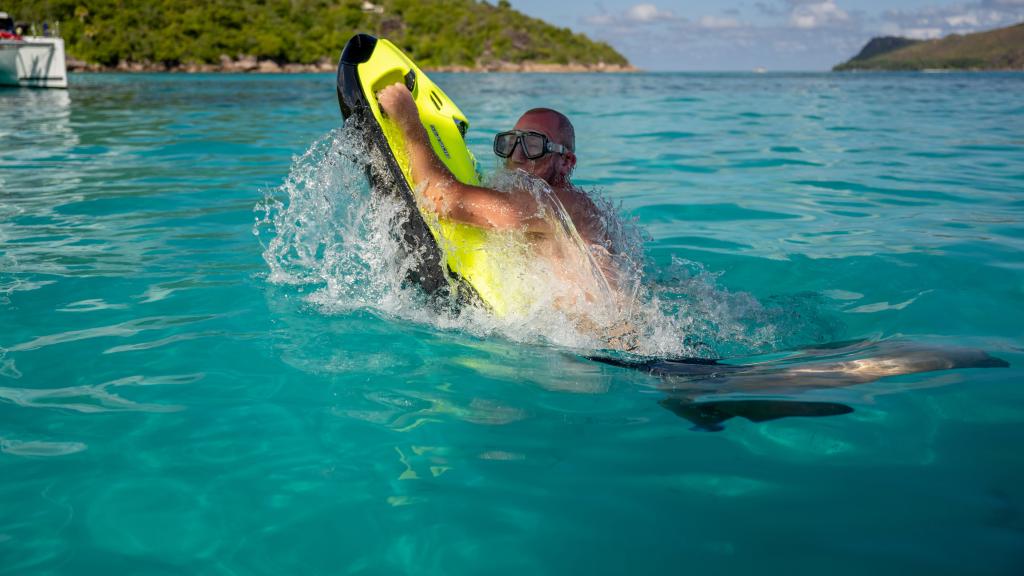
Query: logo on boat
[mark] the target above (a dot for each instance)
(439, 141)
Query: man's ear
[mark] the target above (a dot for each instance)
(569, 161)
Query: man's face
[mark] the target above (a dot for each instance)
(552, 168)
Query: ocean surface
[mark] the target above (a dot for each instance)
(206, 369)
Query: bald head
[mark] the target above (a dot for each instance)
(555, 169)
(561, 127)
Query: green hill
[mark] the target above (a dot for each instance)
(1000, 49)
(186, 33)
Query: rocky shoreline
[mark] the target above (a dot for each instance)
(227, 64)
(537, 67)
(251, 64)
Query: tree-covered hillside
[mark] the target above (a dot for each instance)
(435, 32)
(1000, 49)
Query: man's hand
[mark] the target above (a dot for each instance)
(396, 101)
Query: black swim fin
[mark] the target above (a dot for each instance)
(708, 416)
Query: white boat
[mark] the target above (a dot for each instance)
(36, 61)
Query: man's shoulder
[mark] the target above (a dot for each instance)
(577, 198)
(585, 214)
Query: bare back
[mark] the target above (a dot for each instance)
(586, 216)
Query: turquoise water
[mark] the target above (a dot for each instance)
(170, 406)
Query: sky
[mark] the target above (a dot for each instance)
(771, 34)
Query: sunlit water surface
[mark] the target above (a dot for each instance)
(178, 396)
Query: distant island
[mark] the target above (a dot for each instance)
(308, 35)
(1000, 49)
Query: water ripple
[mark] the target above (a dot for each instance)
(39, 447)
(95, 398)
(165, 409)
(119, 330)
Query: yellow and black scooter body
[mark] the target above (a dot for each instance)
(451, 256)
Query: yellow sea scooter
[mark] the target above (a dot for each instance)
(450, 257)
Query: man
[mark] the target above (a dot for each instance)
(553, 162)
(580, 280)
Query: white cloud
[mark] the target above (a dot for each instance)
(719, 22)
(647, 13)
(817, 14)
(789, 46)
(634, 15)
(937, 21)
(922, 33)
(960, 20)
(602, 19)
(781, 34)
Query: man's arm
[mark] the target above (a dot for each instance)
(453, 199)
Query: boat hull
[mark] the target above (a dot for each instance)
(36, 62)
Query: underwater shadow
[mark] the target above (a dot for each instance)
(689, 381)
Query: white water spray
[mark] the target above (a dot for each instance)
(325, 233)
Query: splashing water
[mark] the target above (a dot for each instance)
(716, 322)
(325, 233)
